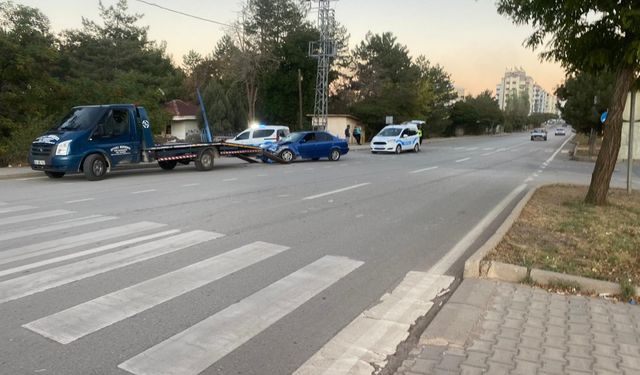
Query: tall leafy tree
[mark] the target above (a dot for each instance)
(436, 93)
(588, 36)
(516, 111)
(385, 80)
(30, 84)
(114, 61)
(476, 115)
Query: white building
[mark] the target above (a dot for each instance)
(184, 120)
(517, 82)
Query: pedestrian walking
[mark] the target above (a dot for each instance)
(357, 133)
(347, 133)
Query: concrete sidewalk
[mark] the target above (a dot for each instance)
(491, 327)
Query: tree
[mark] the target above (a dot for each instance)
(476, 115)
(436, 93)
(586, 97)
(30, 87)
(516, 111)
(385, 80)
(591, 37)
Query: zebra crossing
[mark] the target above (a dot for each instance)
(74, 251)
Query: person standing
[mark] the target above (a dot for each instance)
(357, 133)
(347, 133)
(420, 134)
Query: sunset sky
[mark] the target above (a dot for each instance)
(468, 37)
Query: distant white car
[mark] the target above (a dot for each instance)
(561, 131)
(538, 133)
(261, 135)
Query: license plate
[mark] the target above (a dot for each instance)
(38, 162)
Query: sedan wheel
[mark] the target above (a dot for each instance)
(398, 149)
(335, 155)
(286, 155)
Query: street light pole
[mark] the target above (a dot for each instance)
(300, 99)
(632, 111)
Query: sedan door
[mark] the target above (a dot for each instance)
(308, 146)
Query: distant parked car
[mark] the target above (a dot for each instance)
(260, 135)
(538, 133)
(310, 145)
(561, 131)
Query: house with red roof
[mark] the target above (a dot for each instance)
(184, 120)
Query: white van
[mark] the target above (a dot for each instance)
(261, 135)
(396, 138)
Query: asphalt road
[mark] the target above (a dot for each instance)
(305, 249)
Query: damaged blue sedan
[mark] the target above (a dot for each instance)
(309, 145)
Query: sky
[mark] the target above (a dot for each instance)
(468, 38)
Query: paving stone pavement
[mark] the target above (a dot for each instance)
(490, 327)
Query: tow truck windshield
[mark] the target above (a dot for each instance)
(80, 119)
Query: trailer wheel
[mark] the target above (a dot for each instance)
(167, 165)
(204, 162)
(54, 174)
(94, 167)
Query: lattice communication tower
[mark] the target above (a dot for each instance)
(324, 50)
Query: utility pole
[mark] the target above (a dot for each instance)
(300, 99)
(632, 114)
(324, 50)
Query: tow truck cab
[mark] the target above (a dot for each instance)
(99, 137)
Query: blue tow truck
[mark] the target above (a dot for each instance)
(95, 139)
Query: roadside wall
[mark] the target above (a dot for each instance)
(624, 146)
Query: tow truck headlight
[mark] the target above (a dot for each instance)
(63, 148)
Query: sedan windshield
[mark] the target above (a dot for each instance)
(80, 119)
(390, 132)
(293, 137)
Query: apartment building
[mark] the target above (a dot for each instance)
(517, 81)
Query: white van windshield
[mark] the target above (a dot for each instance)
(390, 132)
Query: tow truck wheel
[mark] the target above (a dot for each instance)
(204, 162)
(286, 155)
(335, 155)
(398, 149)
(54, 174)
(167, 165)
(94, 167)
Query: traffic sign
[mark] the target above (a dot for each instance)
(603, 117)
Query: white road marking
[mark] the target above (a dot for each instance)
(144, 191)
(336, 191)
(489, 153)
(31, 178)
(376, 333)
(472, 148)
(539, 171)
(31, 217)
(50, 278)
(6, 210)
(536, 175)
(230, 179)
(528, 179)
(81, 200)
(81, 320)
(458, 148)
(459, 249)
(558, 150)
(424, 170)
(87, 252)
(198, 347)
(190, 185)
(55, 245)
(461, 160)
(488, 149)
(67, 224)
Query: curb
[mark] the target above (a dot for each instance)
(478, 268)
